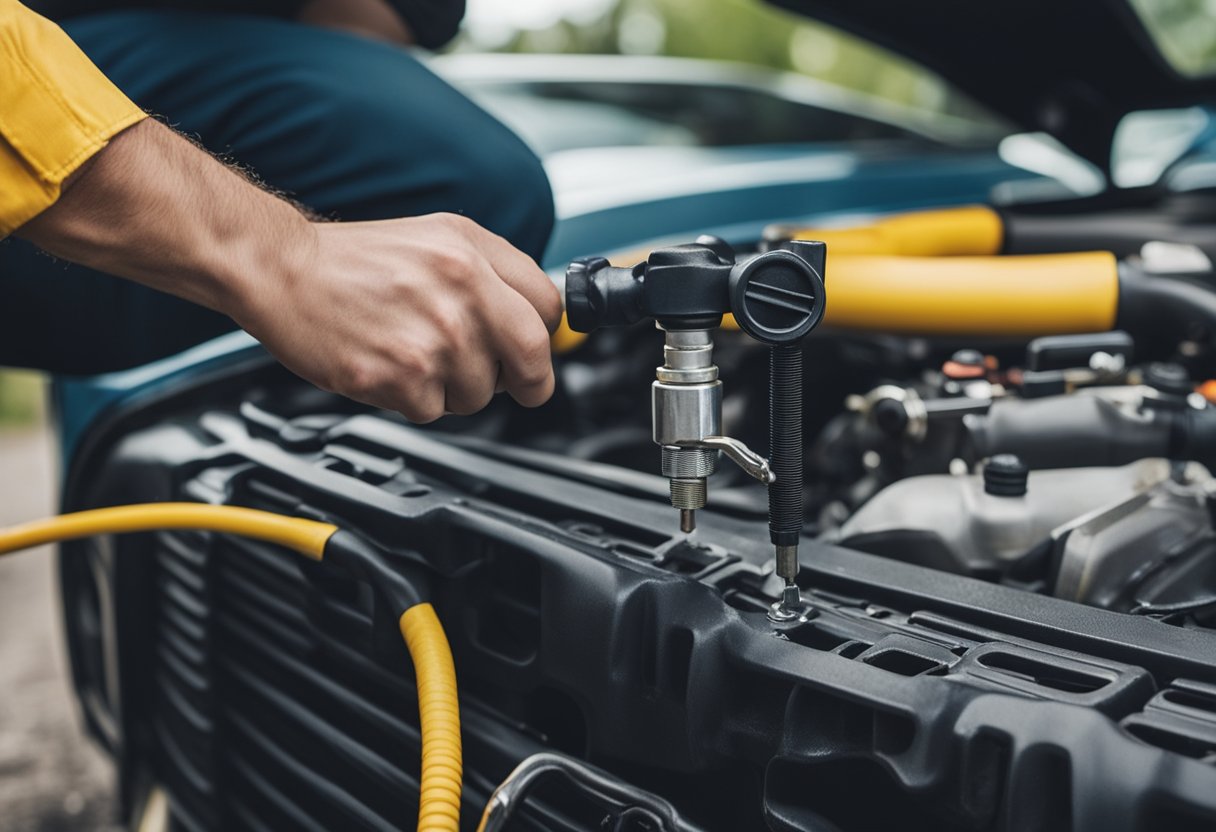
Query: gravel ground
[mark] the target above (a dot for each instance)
(52, 779)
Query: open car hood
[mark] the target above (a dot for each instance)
(1072, 68)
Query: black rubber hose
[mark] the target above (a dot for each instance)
(404, 586)
(1157, 305)
(785, 445)
(1086, 431)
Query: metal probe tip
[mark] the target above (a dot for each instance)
(790, 606)
(688, 520)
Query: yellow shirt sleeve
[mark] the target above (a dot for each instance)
(56, 111)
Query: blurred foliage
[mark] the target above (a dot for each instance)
(748, 31)
(1185, 31)
(22, 396)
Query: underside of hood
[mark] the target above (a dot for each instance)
(1072, 68)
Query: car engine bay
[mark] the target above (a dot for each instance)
(1008, 578)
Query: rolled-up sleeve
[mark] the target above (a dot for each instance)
(56, 110)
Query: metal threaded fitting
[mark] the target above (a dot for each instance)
(688, 463)
(688, 493)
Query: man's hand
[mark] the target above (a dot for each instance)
(424, 316)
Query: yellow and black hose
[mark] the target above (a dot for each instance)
(438, 707)
(939, 273)
(1024, 296)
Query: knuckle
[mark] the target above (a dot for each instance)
(458, 264)
(359, 380)
(553, 307)
(535, 359)
(418, 366)
(457, 223)
(449, 324)
(472, 402)
(421, 412)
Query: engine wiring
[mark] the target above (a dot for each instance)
(434, 669)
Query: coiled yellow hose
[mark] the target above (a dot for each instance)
(438, 706)
(439, 714)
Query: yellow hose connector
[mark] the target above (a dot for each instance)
(439, 714)
(308, 537)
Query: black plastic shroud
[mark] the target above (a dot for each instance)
(271, 693)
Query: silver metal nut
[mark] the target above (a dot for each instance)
(688, 493)
(688, 462)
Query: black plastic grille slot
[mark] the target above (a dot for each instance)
(275, 708)
(1056, 677)
(183, 696)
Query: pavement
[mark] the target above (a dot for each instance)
(52, 778)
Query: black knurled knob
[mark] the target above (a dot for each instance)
(1005, 475)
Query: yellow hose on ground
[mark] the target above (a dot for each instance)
(438, 706)
(439, 714)
(308, 537)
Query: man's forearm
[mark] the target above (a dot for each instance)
(424, 315)
(155, 209)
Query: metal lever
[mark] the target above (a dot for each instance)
(751, 462)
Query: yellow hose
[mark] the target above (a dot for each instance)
(968, 230)
(438, 706)
(1021, 296)
(308, 537)
(439, 714)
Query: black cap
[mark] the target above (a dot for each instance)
(890, 416)
(776, 297)
(1169, 378)
(968, 358)
(1005, 475)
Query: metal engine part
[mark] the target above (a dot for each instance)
(952, 523)
(1120, 556)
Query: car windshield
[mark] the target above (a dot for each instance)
(708, 109)
(854, 89)
(1184, 31)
